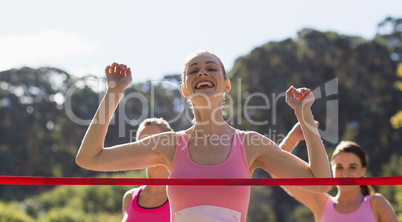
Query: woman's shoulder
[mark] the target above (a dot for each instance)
(253, 139)
(377, 199)
(253, 135)
(382, 208)
(130, 192)
(378, 202)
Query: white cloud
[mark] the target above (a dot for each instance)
(39, 48)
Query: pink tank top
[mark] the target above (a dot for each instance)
(135, 213)
(363, 213)
(209, 203)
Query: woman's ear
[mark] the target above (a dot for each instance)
(184, 91)
(228, 85)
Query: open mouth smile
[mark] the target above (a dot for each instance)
(204, 84)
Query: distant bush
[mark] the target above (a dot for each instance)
(11, 212)
(302, 214)
(71, 203)
(65, 215)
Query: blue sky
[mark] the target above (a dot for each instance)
(153, 37)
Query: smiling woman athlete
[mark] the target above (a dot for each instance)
(209, 149)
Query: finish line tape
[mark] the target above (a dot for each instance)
(29, 180)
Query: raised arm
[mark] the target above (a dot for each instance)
(279, 163)
(301, 101)
(293, 138)
(141, 154)
(314, 201)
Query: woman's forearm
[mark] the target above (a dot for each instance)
(318, 158)
(289, 143)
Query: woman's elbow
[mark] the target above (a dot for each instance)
(83, 161)
(86, 159)
(80, 161)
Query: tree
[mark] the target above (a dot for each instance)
(390, 32)
(366, 99)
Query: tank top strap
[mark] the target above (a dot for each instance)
(238, 149)
(366, 201)
(136, 192)
(181, 148)
(238, 139)
(181, 141)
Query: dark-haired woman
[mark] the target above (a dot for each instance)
(351, 203)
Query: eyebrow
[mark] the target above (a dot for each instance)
(207, 62)
(351, 164)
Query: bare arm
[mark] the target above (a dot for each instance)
(383, 210)
(314, 201)
(264, 153)
(293, 138)
(127, 199)
(280, 163)
(141, 154)
(318, 160)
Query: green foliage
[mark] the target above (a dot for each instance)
(97, 199)
(393, 193)
(11, 212)
(396, 120)
(398, 197)
(390, 32)
(72, 203)
(302, 214)
(366, 73)
(64, 214)
(259, 211)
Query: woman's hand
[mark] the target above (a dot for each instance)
(118, 76)
(299, 98)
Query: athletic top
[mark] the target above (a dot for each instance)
(363, 213)
(136, 213)
(209, 203)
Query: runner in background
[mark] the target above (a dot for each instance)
(149, 203)
(352, 202)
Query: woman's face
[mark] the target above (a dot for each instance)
(347, 165)
(204, 75)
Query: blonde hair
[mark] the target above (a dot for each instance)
(198, 53)
(162, 124)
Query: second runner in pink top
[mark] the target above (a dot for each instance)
(209, 203)
(136, 213)
(363, 213)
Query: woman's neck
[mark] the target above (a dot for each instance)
(159, 172)
(155, 189)
(349, 195)
(206, 118)
(213, 127)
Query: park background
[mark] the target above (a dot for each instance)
(46, 95)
